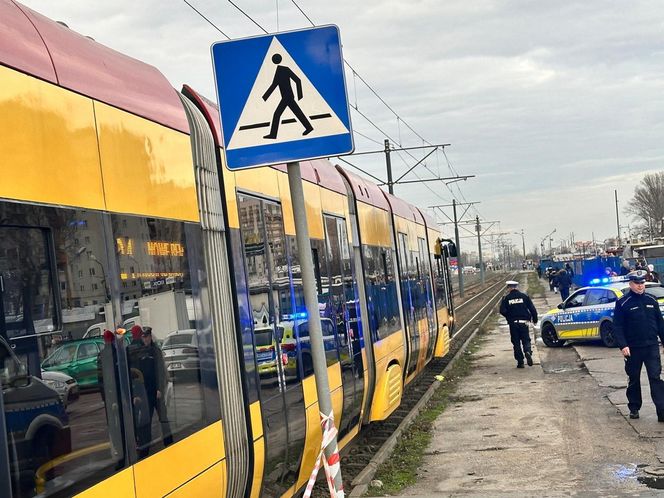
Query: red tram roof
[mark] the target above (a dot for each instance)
(365, 191)
(404, 209)
(21, 47)
(209, 109)
(34, 44)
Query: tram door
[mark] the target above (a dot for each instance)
(276, 349)
(342, 310)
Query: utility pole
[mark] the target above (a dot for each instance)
(456, 239)
(478, 227)
(523, 242)
(388, 164)
(617, 216)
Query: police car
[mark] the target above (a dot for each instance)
(588, 312)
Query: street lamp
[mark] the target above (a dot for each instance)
(523, 243)
(550, 240)
(92, 257)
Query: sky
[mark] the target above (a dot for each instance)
(551, 105)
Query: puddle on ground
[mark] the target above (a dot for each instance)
(624, 472)
(635, 472)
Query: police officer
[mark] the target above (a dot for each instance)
(519, 310)
(637, 322)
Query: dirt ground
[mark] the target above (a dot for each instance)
(546, 430)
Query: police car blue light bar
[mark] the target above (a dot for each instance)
(296, 316)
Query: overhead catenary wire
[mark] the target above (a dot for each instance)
(208, 21)
(248, 16)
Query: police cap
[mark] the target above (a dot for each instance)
(638, 276)
(512, 283)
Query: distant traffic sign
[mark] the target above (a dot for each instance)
(282, 97)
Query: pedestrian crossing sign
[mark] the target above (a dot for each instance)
(282, 97)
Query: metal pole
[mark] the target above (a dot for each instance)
(388, 163)
(311, 301)
(479, 247)
(456, 238)
(523, 241)
(615, 192)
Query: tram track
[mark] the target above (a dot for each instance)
(373, 445)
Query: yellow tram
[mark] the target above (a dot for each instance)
(117, 214)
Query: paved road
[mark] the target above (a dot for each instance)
(547, 430)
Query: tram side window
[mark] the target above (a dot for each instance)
(51, 298)
(382, 302)
(418, 290)
(171, 360)
(440, 282)
(299, 318)
(425, 278)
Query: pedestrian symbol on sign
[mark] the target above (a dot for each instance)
(282, 97)
(282, 79)
(285, 102)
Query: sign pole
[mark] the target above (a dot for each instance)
(311, 301)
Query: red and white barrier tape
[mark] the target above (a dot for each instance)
(332, 464)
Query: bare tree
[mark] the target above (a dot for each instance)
(648, 202)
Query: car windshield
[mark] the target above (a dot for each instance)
(176, 340)
(263, 337)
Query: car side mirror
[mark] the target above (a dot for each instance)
(561, 306)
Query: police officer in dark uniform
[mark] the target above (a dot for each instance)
(519, 310)
(637, 322)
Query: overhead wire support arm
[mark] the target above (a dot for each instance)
(453, 178)
(399, 149)
(380, 180)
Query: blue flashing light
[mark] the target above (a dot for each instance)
(594, 281)
(297, 316)
(597, 281)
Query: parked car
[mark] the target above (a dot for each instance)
(63, 384)
(181, 353)
(588, 313)
(77, 359)
(37, 424)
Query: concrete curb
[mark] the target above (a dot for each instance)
(362, 481)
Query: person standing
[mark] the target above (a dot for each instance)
(148, 360)
(652, 275)
(637, 323)
(518, 309)
(564, 282)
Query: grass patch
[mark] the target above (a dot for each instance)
(535, 287)
(400, 470)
